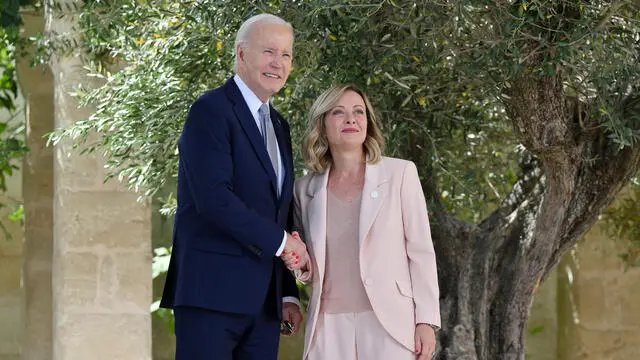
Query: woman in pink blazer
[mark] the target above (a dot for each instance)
(364, 219)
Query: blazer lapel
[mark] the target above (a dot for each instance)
(248, 124)
(373, 196)
(317, 218)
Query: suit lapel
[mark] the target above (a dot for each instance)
(248, 124)
(283, 141)
(373, 196)
(317, 219)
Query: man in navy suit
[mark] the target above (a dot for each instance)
(227, 283)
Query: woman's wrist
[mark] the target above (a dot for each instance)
(433, 327)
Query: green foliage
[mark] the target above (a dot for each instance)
(9, 37)
(536, 330)
(12, 145)
(8, 85)
(168, 53)
(436, 73)
(12, 150)
(10, 13)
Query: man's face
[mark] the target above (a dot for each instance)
(264, 62)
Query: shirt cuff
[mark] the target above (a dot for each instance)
(292, 299)
(284, 242)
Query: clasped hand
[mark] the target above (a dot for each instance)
(295, 254)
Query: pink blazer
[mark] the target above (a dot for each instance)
(397, 260)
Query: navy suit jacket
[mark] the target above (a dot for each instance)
(229, 222)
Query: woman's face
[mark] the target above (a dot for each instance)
(346, 123)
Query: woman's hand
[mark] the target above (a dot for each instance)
(294, 254)
(425, 342)
(304, 273)
(299, 264)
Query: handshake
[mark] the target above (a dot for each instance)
(295, 255)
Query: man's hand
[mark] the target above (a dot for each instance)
(291, 313)
(425, 342)
(294, 254)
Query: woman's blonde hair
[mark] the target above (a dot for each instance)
(315, 147)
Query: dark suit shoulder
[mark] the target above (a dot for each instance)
(211, 105)
(211, 97)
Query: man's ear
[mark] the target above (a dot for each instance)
(240, 52)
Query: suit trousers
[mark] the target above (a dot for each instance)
(203, 334)
(354, 336)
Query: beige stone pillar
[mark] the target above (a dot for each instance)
(102, 252)
(37, 86)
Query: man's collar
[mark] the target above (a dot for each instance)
(253, 102)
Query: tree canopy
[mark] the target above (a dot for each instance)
(439, 73)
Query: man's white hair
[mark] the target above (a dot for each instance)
(242, 37)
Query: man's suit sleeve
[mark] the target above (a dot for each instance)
(205, 153)
(289, 285)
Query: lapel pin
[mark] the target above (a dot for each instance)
(374, 194)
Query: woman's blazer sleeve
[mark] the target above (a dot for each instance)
(422, 257)
(302, 276)
(297, 212)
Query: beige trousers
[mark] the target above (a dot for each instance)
(354, 336)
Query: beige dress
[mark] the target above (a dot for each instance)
(347, 328)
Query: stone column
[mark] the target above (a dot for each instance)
(102, 252)
(37, 86)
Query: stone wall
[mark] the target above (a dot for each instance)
(607, 322)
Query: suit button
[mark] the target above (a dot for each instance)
(368, 282)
